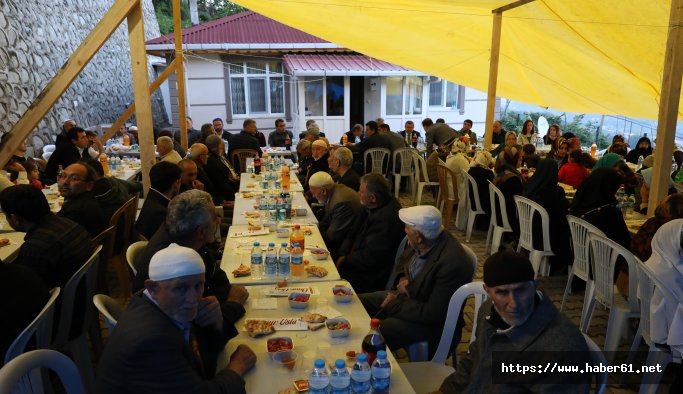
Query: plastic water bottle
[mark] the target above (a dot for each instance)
(283, 261)
(381, 373)
(271, 261)
(640, 161)
(340, 380)
(360, 375)
(256, 261)
(319, 379)
(630, 204)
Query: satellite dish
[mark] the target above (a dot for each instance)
(542, 125)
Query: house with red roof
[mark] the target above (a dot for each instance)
(249, 66)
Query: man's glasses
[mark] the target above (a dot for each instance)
(71, 177)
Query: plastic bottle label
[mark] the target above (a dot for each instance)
(318, 382)
(256, 259)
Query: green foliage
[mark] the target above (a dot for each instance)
(585, 131)
(208, 10)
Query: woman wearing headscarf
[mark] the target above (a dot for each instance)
(543, 189)
(480, 171)
(554, 152)
(457, 162)
(669, 209)
(666, 264)
(616, 162)
(510, 141)
(643, 148)
(511, 183)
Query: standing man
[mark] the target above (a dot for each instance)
(280, 137)
(246, 139)
(467, 131)
(193, 135)
(76, 184)
(68, 153)
(409, 134)
(437, 133)
(218, 127)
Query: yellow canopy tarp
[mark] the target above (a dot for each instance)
(589, 56)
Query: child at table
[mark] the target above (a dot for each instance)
(32, 173)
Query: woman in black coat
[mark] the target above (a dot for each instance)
(511, 183)
(480, 171)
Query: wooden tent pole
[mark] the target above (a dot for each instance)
(143, 104)
(180, 72)
(65, 76)
(668, 107)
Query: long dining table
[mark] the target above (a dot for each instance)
(246, 204)
(268, 376)
(10, 251)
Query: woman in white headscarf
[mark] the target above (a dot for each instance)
(480, 170)
(457, 162)
(666, 307)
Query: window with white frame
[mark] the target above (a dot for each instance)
(413, 99)
(257, 88)
(443, 94)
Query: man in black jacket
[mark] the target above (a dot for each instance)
(165, 184)
(409, 134)
(373, 139)
(170, 337)
(199, 153)
(341, 163)
(246, 139)
(225, 179)
(80, 205)
(67, 153)
(191, 221)
(367, 260)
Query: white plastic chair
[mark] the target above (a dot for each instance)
(426, 376)
(473, 205)
(378, 156)
(41, 326)
(79, 346)
(403, 167)
(109, 308)
(419, 351)
(132, 251)
(495, 234)
(21, 375)
(598, 358)
(656, 355)
(420, 166)
(581, 267)
(605, 253)
(525, 212)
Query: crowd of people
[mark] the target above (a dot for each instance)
(184, 308)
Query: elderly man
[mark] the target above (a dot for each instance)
(246, 139)
(433, 267)
(165, 184)
(356, 132)
(76, 184)
(280, 137)
(218, 127)
(409, 134)
(62, 137)
(367, 256)
(341, 163)
(68, 153)
(342, 206)
(166, 150)
(522, 321)
(498, 136)
(199, 153)
(437, 133)
(320, 156)
(169, 338)
(191, 221)
(225, 179)
(54, 247)
(188, 176)
(193, 135)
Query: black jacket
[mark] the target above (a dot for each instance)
(152, 214)
(341, 210)
(208, 185)
(85, 210)
(220, 177)
(350, 179)
(243, 140)
(65, 154)
(409, 141)
(316, 166)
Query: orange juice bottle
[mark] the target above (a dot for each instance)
(297, 236)
(126, 140)
(104, 160)
(297, 264)
(345, 139)
(285, 177)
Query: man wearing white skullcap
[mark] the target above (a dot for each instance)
(432, 267)
(342, 207)
(320, 162)
(170, 336)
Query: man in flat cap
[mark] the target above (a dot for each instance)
(434, 266)
(519, 325)
(168, 339)
(342, 207)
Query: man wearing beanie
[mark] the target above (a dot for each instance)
(522, 321)
(434, 266)
(168, 339)
(342, 207)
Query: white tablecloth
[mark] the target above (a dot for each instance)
(246, 181)
(9, 252)
(238, 251)
(243, 205)
(269, 377)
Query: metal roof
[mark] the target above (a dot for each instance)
(331, 65)
(243, 28)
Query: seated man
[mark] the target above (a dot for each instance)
(341, 163)
(165, 184)
(199, 153)
(367, 257)
(66, 154)
(75, 185)
(166, 150)
(54, 247)
(521, 320)
(373, 139)
(280, 137)
(169, 338)
(320, 163)
(342, 206)
(191, 221)
(433, 266)
(188, 176)
(225, 179)
(111, 192)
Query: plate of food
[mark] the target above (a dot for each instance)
(241, 271)
(258, 327)
(318, 272)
